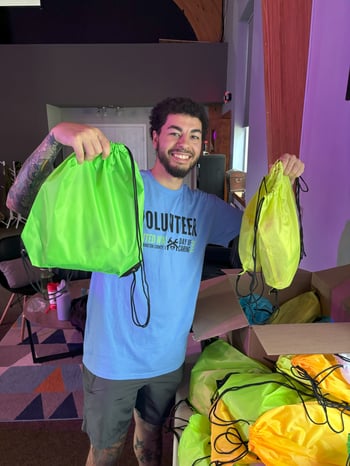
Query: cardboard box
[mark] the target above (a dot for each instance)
(219, 313)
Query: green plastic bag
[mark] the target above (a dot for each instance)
(89, 216)
(269, 240)
(216, 361)
(194, 444)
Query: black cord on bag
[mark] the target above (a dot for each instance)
(140, 264)
(253, 275)
(232, 433)
(300, 185)
(170, 426)
(253, 300)
(322, 399)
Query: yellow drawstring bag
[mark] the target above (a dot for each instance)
(301, 309)
(270, 239)
(326, 372)
(301, 435)
(240, 401)
(229, 441)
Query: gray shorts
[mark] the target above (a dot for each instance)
(109, 404)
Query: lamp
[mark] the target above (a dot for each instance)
(20, 3)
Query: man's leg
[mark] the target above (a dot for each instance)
(153, 405)
(147, 442)
(108, 410)
(107, 456)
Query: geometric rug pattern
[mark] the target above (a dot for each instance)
(40, 391)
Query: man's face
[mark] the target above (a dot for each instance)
(179, 144)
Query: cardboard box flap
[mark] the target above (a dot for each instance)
(314, 338)
(218, 310)
(300, 284)
(346, 303)
(332, 277)
(333, 288)
(340, 298)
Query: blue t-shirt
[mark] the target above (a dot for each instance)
(177, 227)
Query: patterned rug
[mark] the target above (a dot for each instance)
(49, 390)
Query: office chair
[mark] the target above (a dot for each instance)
(17, 275)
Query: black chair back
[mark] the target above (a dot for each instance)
(11, 248)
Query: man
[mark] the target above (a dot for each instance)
(131, 368)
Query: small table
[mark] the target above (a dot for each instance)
(35, 312)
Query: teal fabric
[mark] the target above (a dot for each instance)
(257, 309)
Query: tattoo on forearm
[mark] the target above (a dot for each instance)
(33, 173)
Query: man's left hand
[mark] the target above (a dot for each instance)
(292, 166)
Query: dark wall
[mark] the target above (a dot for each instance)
(131, 75)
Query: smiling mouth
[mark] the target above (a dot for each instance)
(181, 155)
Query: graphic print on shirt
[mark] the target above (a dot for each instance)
(169, 231)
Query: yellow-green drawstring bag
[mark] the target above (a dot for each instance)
(270, 238)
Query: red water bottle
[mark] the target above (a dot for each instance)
(52, 291)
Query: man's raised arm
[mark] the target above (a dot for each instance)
(86, 141)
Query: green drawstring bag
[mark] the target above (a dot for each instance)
(270, 238)
(194, 444)
(89, 216)
(215, 363)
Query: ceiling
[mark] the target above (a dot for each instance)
(95, 21)
(113, 21)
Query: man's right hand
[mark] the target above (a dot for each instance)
(87, 142)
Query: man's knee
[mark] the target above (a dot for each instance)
(147, 441)
(145, 427)
(106, 456)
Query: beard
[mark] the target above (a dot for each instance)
(175, 170)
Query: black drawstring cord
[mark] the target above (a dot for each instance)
(254, 281)
(139, 240)
(300, 185)
(302, 392)
(343, 407)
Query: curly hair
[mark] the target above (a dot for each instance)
(175, 106)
